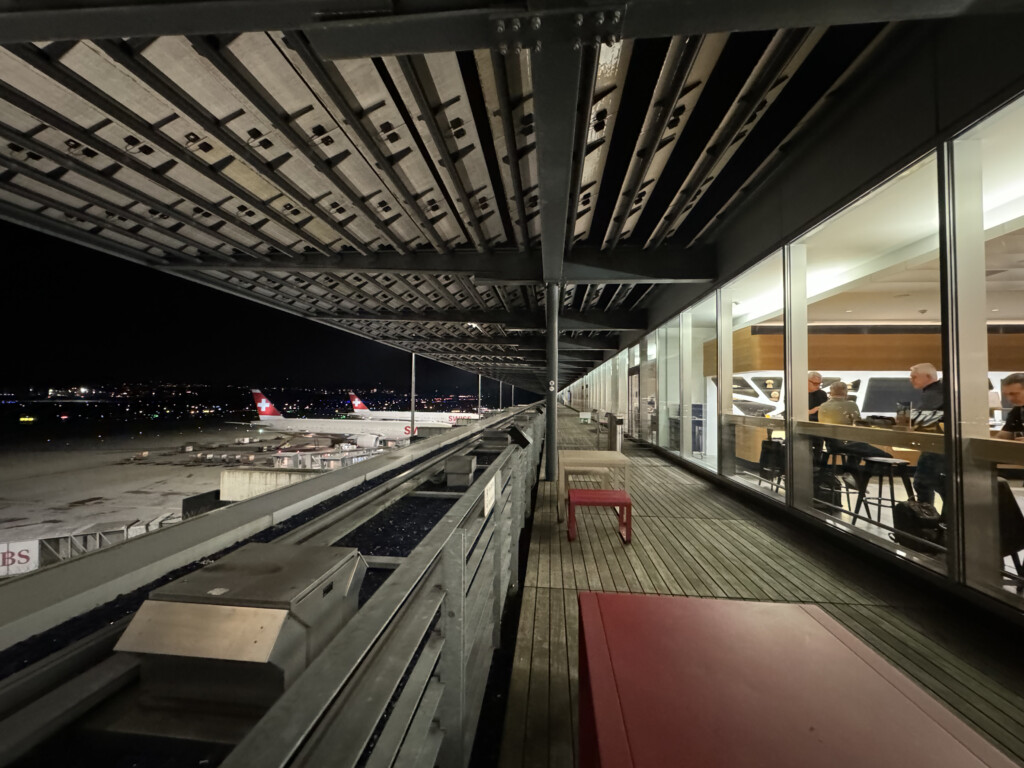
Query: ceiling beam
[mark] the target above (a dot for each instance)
(458, 27)
(360, 28)
(557, 70)
(584, 265)
(523, 343)
(534, 321)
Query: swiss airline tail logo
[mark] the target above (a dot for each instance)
(264, 406)
(357, 404)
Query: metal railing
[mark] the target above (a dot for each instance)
(403, 682)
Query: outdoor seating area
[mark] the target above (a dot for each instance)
(690, 538)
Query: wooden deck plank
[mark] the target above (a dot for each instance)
(514, 732)
(560, 745)
(572, 638)
(535, 752)
(663, 581)
(692, 538)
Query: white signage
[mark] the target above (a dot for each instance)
(489, 496)
(18, 557)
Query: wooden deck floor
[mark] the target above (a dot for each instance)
(691, 538)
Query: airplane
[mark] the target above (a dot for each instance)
(360, 411)
(365, 434)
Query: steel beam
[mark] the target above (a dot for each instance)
(571, 321)
(360, 28)
(586, 265)
(511, 146)
(584, 107)
(428, 112)
(331, 80)
(220, 56)
(556, 85)
(460, 27)
(41, 61)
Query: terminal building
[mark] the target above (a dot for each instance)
(668, 215)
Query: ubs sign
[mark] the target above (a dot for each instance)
(18, 557)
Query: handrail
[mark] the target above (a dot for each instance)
(310, 720)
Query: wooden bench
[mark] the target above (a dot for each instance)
(586, 497)
(672, 681)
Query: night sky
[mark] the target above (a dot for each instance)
(73, 315)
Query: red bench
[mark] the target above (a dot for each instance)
(586, 497)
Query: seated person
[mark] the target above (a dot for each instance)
(839, 410)
(1013, 390)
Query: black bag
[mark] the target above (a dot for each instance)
(828, 492)
(773, 459)
(921, 520)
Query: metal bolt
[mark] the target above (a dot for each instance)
(597, 40)
(576, 44)
(599, 18)
(617, 17)
(610, 40)
(515, 25)
(503, 49)
(501, 26)
(535, 22)
(579, 19)
(517, 47)
(536, 46)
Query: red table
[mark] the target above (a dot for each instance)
(681, 681)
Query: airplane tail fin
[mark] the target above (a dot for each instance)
(358, 406)
(265, 407)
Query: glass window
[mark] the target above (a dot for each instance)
(753, 434)
(988, 259)
(869, 278)
(699, 406)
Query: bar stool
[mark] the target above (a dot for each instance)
(881, 467)
(837, 463)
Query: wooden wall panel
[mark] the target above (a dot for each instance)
(858, 351)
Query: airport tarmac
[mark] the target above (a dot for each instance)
(55, 485)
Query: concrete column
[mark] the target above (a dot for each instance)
(553, 303)
(412, 399)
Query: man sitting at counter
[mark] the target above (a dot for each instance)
(840, 410)
(1013, 390)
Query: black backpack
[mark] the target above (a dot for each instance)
(828, 492)
(918, 527)
(772, 461)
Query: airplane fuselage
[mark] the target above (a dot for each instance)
(390, 430)
(422, 417)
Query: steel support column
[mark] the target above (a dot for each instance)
(553, 302)
(412, 400)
